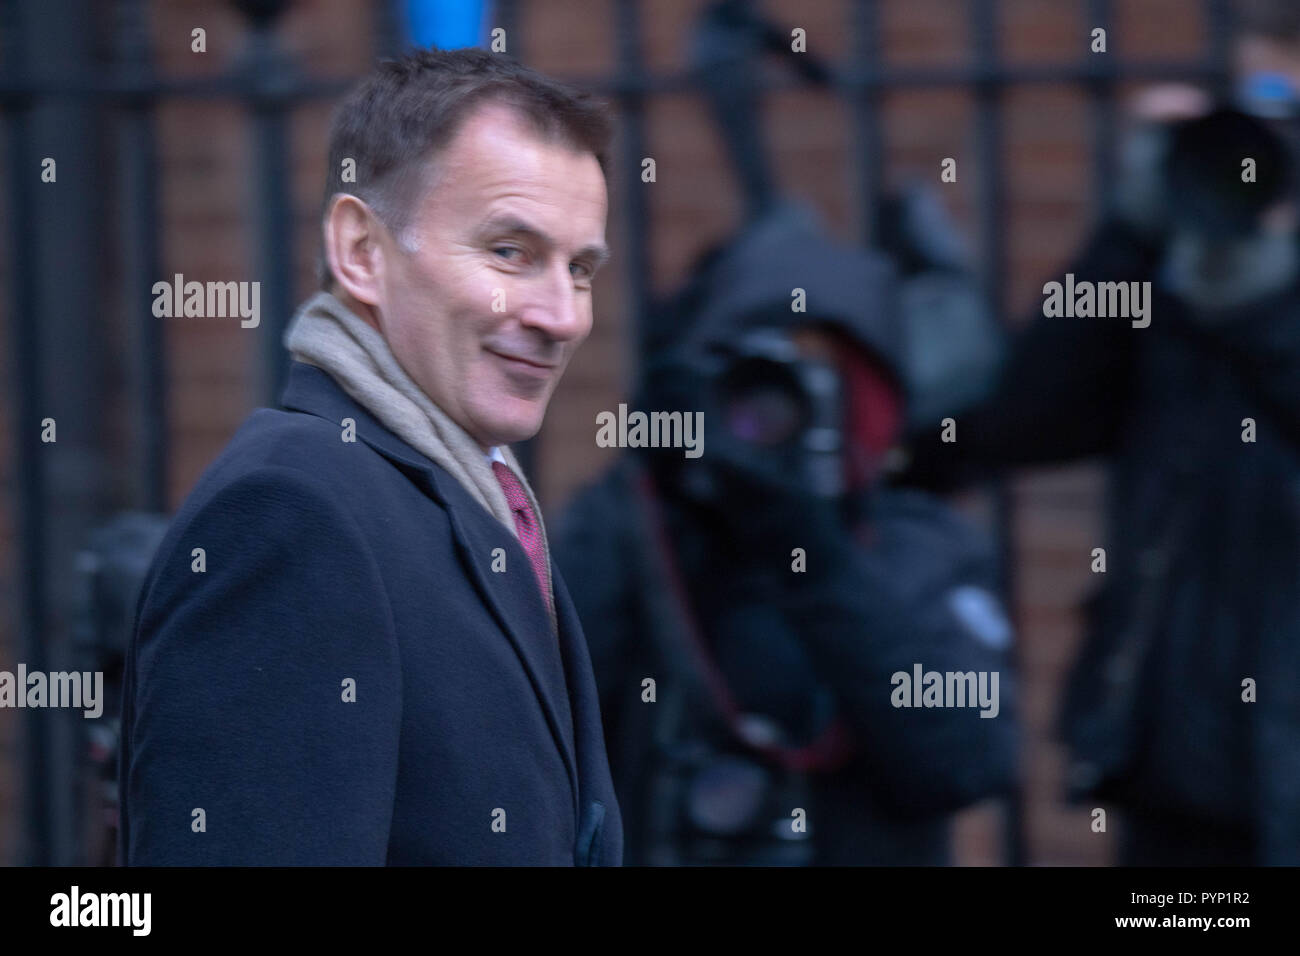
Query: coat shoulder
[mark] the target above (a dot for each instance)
(288, 473)
(273, 438)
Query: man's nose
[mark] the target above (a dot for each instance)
(555, 306)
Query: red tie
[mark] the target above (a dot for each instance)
(526, 525)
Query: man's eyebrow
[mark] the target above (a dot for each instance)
(598, 253)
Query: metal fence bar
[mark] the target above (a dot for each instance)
(632, 104)
(270, 95)
(505, 14)
(507, 17)
(388, 22)
(854, 76)
(869, 139)
(138, 159)
(993, 272)
(1222, 28)
(228, 86)
(1101, 95)
(29, 463)
(858, 76)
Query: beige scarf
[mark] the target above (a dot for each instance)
(329, 335)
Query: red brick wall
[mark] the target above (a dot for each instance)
(206, 186)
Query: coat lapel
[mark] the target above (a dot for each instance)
(512, 597)
(590, 736)
(516, 602)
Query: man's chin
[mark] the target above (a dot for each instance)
(510, 431)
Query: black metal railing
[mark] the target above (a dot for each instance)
(124, 90)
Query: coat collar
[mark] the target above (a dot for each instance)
(312, 390)
(513, 599)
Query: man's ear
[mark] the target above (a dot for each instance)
(352, 248)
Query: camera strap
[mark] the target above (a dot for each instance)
(683, 636)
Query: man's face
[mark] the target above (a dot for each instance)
(488, 295)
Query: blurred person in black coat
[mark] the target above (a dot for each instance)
(751, 711)
(1184, 705)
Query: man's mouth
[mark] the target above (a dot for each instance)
(515, 359)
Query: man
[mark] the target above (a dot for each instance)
(352, 647)
(1183, 708)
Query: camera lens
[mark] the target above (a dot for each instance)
(726, 796)
(763, 404)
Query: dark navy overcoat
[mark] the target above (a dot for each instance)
(327, 669)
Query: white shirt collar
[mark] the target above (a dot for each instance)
(494, 454)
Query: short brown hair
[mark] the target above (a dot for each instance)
(405, 110)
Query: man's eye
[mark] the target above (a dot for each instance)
(505, 251)
(580, 271)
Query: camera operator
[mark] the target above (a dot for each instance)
(751, 707)
(1184, 705)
